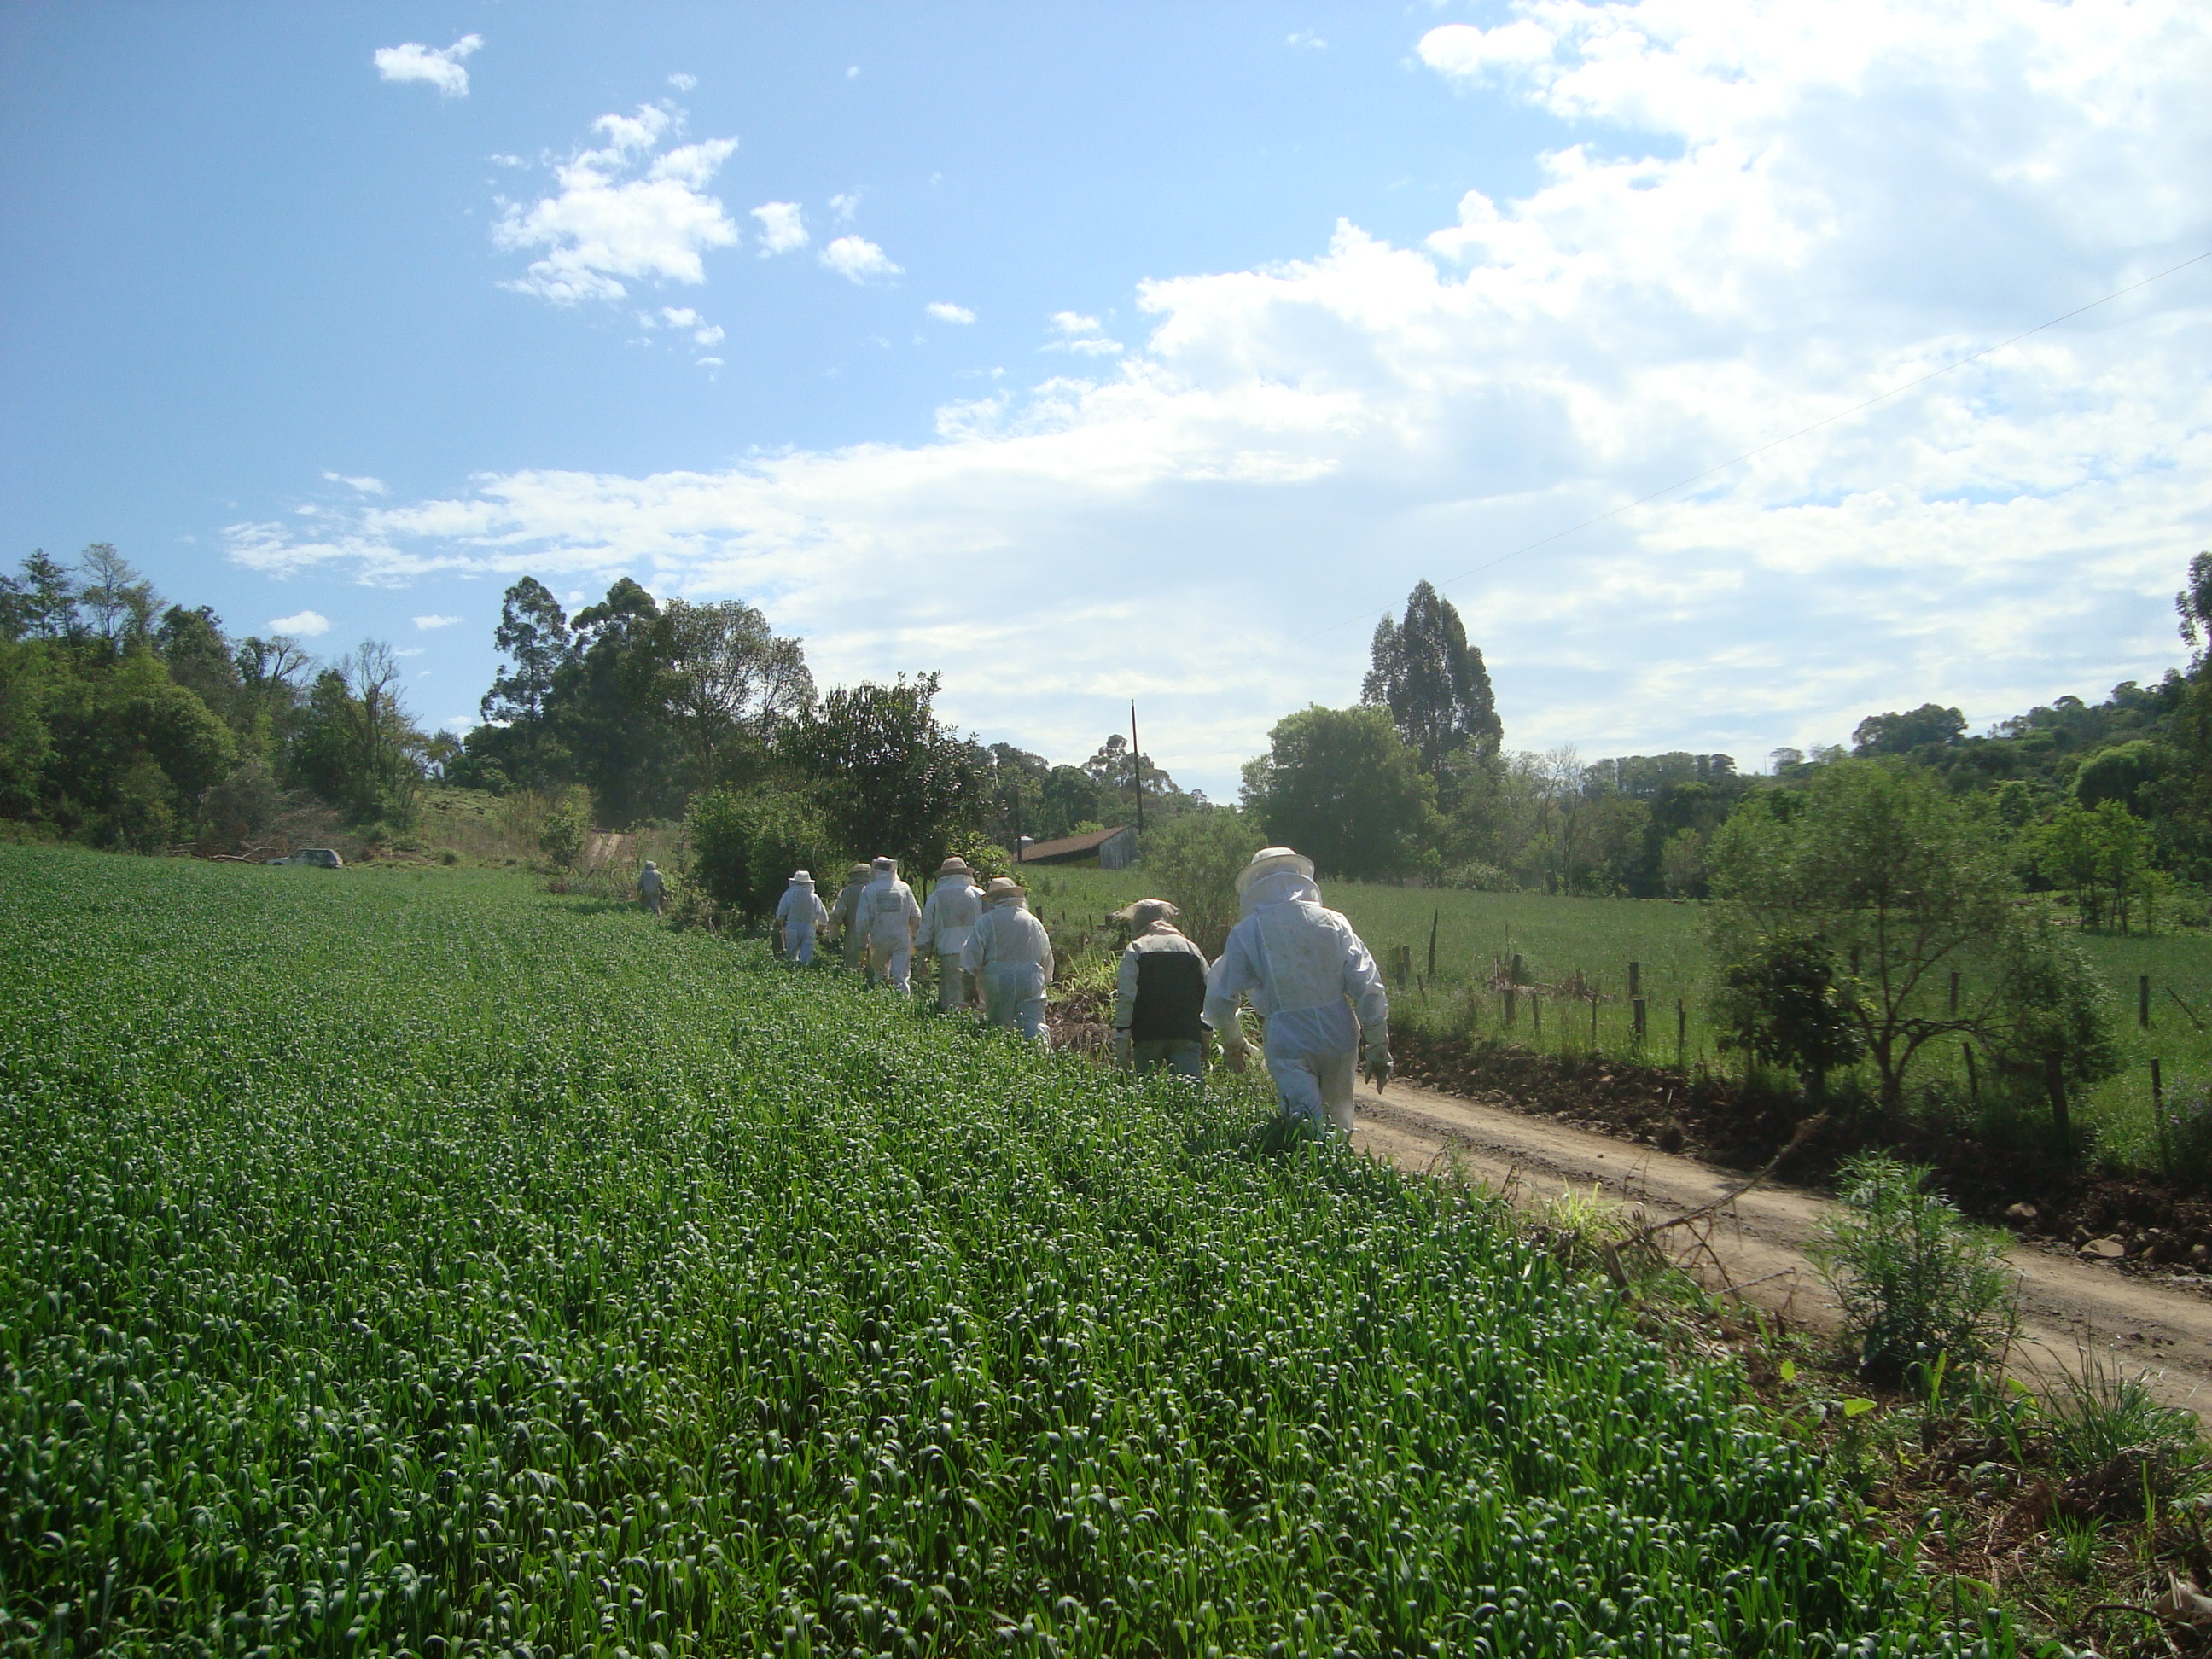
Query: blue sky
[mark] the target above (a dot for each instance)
(1086, 353)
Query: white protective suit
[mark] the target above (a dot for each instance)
(889, 916)
(1009, 951)
(801, 915)
(1306, 972)
(955, 905)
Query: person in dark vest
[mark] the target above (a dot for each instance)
(1158, 994)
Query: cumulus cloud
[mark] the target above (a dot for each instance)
(622, 212)
(783, 227)
(683, 82)
(365, 486)
(435, 621)
(944, 311)
(845, 206)
(301, 624)
(859, 258)
(438, 66)
(1760, 216)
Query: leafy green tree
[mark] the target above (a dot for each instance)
(1898, 881)
(561, 839)
(120, 604)
(2104, 854)
(622, 744)
(742, 846)
(1901, 734)
(2054, 1013)
(2122, 773)
(534, 633)
(26, 748)
(1780, 1000)
(892, 779)
(1068, 801)
(1433, 682)
(358, 748)
(730, 686)
(131, 750)
(1340, 785)
(191, 643)
(40, 604)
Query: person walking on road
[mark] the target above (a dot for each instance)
(1312, 979)
(890, 919)
(1010, 953)
(800, 916)
(845, 918)
(1159, 994)
(652, 891)
(955, 904)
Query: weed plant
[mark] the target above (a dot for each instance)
(428, 1264)
(1921, 1288)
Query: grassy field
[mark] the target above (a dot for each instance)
(1597, 939)
(410, 1262)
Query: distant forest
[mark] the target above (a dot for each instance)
(130, 722)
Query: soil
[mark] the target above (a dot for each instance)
(1754, 1242)
(2158, 1227)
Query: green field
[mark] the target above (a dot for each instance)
(414, 1262)
(1559, 937)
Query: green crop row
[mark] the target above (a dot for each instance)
(420, 1264)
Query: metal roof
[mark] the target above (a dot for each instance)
(1069, 847)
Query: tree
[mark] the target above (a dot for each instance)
(1433, 682)
(2053, 1021)
(533, 633)
(1340, 786)
(2120, 774)
(191, 644)
(359, 750)
(120, 602)
(1780, 998)
(1900, 734)
(605, 702)
(40, 604)
(892, 779)
(729, 685)
(2103, 853)
(741, 848)
(1900, 883)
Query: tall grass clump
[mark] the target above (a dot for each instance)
(1919, 1285)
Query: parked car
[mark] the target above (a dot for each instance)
(323, 858)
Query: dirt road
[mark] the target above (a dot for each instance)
(1758, 1247)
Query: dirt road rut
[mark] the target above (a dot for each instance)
(1758, 1244)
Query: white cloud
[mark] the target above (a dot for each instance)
(1769, 213)
(412, 651)
(708, 362)
(683, 82)
(859, 258)
(1306, 38)
(945, 311)
(617, 216)
(1083, 335)
(706, 336)
(783, 227)
(853, 72)
(438, 66)
(435, 621)
(302, 624)
(366, 486)
(677, 317)
(845, 205)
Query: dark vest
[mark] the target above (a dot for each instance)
(1170, 992)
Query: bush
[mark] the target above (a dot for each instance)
(744, 847)
(1916, 1280)
(561, 838)
(1779, 1000)
(1193, 863)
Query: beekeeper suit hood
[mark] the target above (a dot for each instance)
(1275, 875)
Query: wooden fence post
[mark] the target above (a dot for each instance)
(1536, 1012)
(2158, 1115)
(1973, 1082)
(1638, 1006)
(1435, 916)
(2142, 1002)
(1635, 980)
(2054, 1080)
(1681, 1036)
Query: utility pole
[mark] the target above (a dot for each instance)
(1137, 768)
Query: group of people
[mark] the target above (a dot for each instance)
(1298, 964)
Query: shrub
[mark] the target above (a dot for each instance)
(561, 838)
(744, 847)
(1193, 863)
(1916, 1280)
(1780, 1000)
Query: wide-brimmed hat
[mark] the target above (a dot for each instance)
(956, 863)
(1145, 912)
(650, 865)
(1005, 887)
(859, 873)
(1269, 860)
(886, 866)
(798, 876)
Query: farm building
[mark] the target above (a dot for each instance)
(1108, 849)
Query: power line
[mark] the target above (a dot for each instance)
(1789, 437)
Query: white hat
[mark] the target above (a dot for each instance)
(858, 873)
(1145, 912)
(956, 863)
(798, 876)
(1267, 860)
(1003, 887)
(887, 865)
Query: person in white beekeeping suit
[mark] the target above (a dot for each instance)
(801, 915)
(650, 887)
(1010, 953)
(955, 902)
(889, 918)
(1311, 979)
(845, 917)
